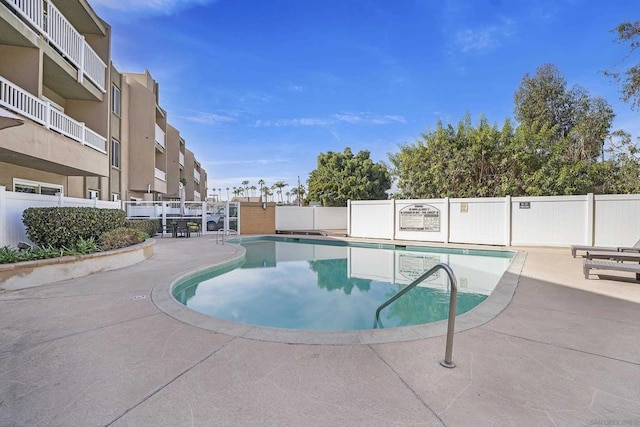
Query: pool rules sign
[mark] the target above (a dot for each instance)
(420, 218)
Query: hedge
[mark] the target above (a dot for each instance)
(63, 226)
(149, 226)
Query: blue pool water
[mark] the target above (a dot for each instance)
(297, 284)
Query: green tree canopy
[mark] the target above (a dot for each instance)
(343, 176)
(629, 79)
(554, 150)
(579, 123)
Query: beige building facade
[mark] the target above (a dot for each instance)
(88, 131)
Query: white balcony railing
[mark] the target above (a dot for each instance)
(22, 102)
(181, 159)
(196, 196)
(161, 175)
(55, 27)
(160, 137)
(196, 176)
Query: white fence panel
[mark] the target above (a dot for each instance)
(330, 218)
(437, 235)
(549, 221)
(480, 220)
(372, 219)
(294, 218)
(617, 219)
(12, 204)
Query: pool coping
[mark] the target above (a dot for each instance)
(492, 306)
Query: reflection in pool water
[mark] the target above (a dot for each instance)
(328, 287)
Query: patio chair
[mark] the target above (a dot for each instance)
(614, 256)
(634, 248)
(194, 227)
(609, 265)
(181, 228)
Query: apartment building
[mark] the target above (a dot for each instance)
(89, 130)
(53, 73)
(146, 131)
(175, 162)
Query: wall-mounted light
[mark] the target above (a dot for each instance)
(264, 205)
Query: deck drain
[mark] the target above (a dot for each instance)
(139, 297)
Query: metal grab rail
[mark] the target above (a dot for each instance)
(220, 232)
(448, 359)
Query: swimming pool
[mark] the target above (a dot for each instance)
(337, 286)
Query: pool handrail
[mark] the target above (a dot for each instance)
(448, 357)
(220, 232)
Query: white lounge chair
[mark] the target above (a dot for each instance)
(634, 248)
(609, 265)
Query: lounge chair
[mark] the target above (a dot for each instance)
(609, 265)
(634, 248)
(614, 256)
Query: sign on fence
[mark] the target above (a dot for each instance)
(420, 218)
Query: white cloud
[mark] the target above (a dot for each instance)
(368, 118)
(211, 118)
(247, 162)
(351, 118)
(305, 121)
(483, 39)
(151, 7)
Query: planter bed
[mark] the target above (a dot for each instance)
(27, 274)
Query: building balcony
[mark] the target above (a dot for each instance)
(18, 100)
(196, 176)
(196, 196)
(160, 137)
(161, 175)
(181, 159)
(51, 24)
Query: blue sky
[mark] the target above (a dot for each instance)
(259, 88)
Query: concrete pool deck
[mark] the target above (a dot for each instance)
(98, 351)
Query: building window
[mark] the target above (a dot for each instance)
(33, 187)
(115, 153)
(115, 100)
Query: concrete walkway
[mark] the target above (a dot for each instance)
(98, 351)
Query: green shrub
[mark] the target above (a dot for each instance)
(121, 237)
(149, 226)
(10, 255)
(64, 226)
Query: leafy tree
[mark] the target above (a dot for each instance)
(343, 176)
(579, 123)
(461, 161)
(628, 32)
(623, 167)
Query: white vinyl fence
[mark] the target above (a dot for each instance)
(12, 204)
(610, 220)
(309, 218)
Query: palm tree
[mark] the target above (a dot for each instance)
(267, 192)
(298, 192)
(288, 194)
(245, 188)
(253, 188)
(278, 186)
(261, 184)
